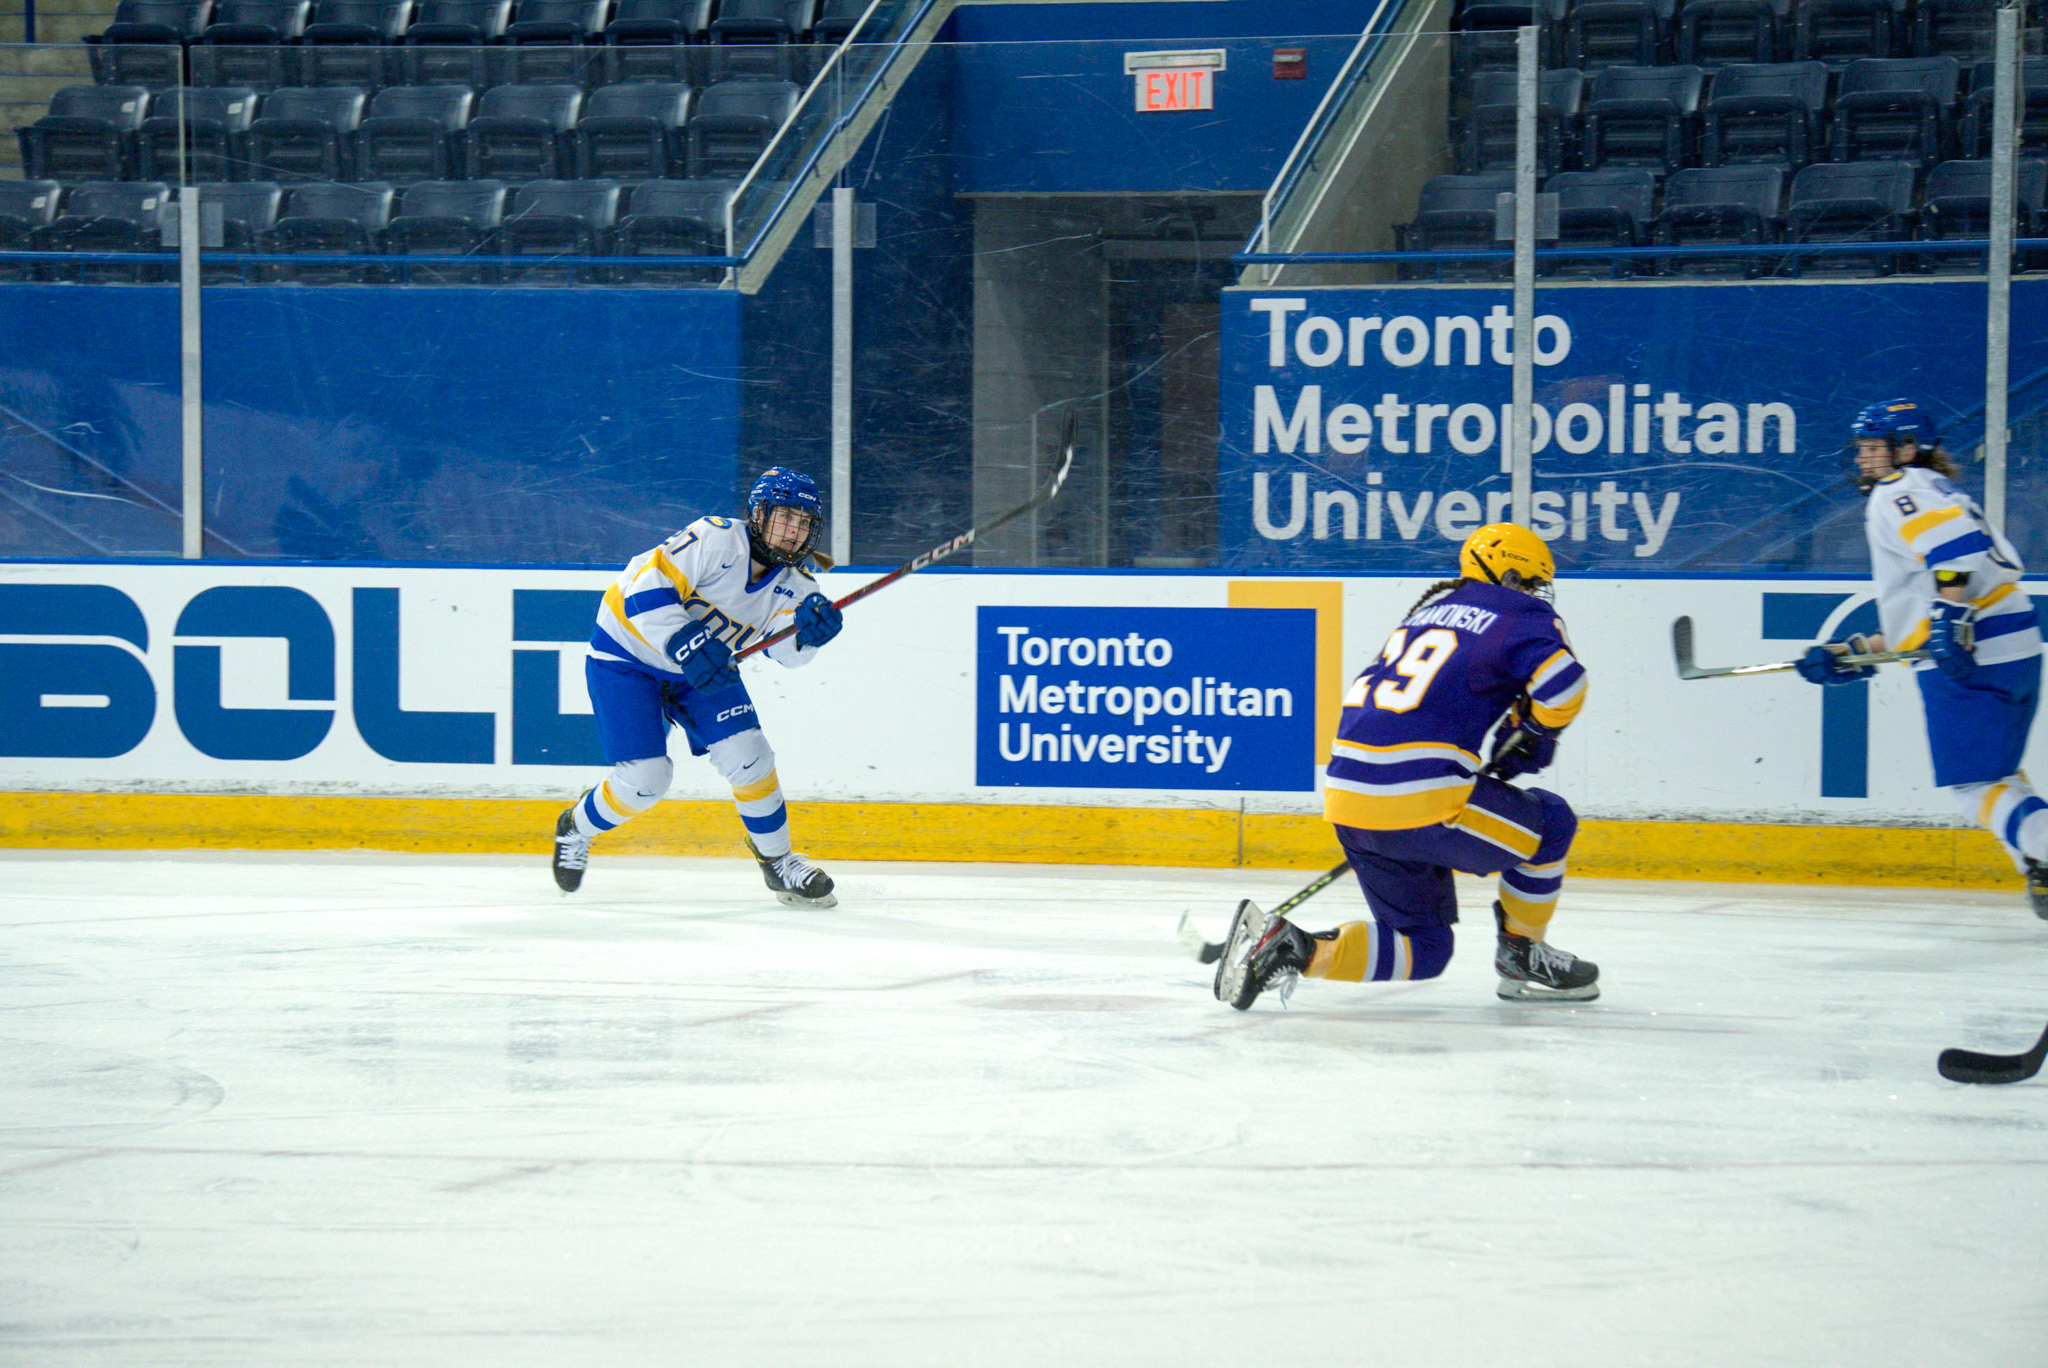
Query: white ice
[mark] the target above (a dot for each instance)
(388, 1110)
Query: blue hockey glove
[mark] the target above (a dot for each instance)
(1952, 636)
(817, 621)
(1823, 664)
(706, 662)
(1521, 745)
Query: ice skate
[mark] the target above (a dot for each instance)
(572, 852)
(2037, 888)
(796, 881)
(1532, 971)
(1262, 951)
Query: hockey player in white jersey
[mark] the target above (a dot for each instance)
(662, 652)
(1948, 581)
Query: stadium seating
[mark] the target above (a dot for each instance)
(1957, 205)
(644, 41)
(759, 38)
(836, 19)
(249, 213)
(25, 205)
(145, 45)
(1963, 29)
(1605, 33)
(1768, 114)
(1975, 140)
(1611, 208)
(1456, 213)
(1489, 132)
(89, 134)
(442, 219)
(734, 122)
(633, 132)
(520, 132)
(1642, 117)
(553, 218)
(245, 44)
(305, 133)
(1840, 31)
(1721, 206)
(216, 124)
(547, 42)
(1717, 33)
(1865, 201)
(104, 216)
(1487, 28)
(1896, 110)
(446, 43)
(673, 218)
(345, 44)
(414, 133)
(340, 220)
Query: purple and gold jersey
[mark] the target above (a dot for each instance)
(1408, 743)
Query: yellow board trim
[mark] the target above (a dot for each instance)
(1923, 857)
(1327, 598)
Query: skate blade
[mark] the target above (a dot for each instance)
(799, 900)
(1515, 990)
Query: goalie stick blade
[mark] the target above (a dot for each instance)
(1972, 1066)
(1199, 950)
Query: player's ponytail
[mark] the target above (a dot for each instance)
(1937, 460)
(1436, 590)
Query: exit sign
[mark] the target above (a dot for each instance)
(1168, 82)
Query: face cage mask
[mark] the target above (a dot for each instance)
(757, 535)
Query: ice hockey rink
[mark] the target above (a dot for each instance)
(411, 1110)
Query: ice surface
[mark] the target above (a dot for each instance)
(360, 1110)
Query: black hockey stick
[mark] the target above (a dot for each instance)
(1208, 952)
(1969, 1066)
(1049, 491)
(1681, 650)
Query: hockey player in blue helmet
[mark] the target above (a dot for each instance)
(662, 652)
(1948, 581)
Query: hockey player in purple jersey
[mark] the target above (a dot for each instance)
(1404, 788)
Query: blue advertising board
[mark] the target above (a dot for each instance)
(1132, 698)
(1676, 428)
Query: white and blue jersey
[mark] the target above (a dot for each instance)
(703, 573)
(1917, 522)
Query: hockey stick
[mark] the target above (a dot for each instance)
(1968, 1066)
(1046, 494)
(1681, 649)
(1208, 952)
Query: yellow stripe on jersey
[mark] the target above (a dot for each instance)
(1404, 750)
(1998, 595)
(675, 576)
(1920, 522)
(1915, 639)
(615, 599)
(1394, 811)
(760, 788)
(1560, 713)
(1489, 826)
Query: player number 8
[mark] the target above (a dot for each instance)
(1416, 663)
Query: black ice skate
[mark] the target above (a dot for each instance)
(572, 851)
(796, 881)
(1532, 971)
(1262, 951)
(2037, 888)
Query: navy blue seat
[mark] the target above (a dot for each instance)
(331, 220)
(1642, 116)
(836, 20)
(1488, 143)
(759, 38)
(521, 133)
(1611, 208)
(216, 126)
(245, 44)
(1963, 29)
(414, 133)
(1721, 206)
(1865, 201)
(1957, 205)
(446, 43)
(447, 219)
(633, 132)
(1717, 33)
(25, 205)
(734, 123)
(2032, 129)
(1454, 213)
(1841, 31)
(548, 42)
(1486, 34)
(1896, 110)
(249, 211)
(89, 134)
(647, 40)
(305, 133)
(145, 45)
(105, 216)
(345, 44)
(673, 218)
(554, 218)
(1606, 33)
(1764, 115)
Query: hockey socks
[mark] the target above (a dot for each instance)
(1370, 952)
(2010, 810)
(630, 789)
(1528, 895)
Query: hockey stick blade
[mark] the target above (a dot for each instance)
(1971, 1066)
(1681, 652)
(1199, 950)
(1047, 492)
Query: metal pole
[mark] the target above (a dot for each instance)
(194, 503)
(1521, 433)
(842, 373)
(1998, 288)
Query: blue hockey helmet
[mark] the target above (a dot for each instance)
(1893, 421)
(781, 487)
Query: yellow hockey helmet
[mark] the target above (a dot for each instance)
(1507, 554)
